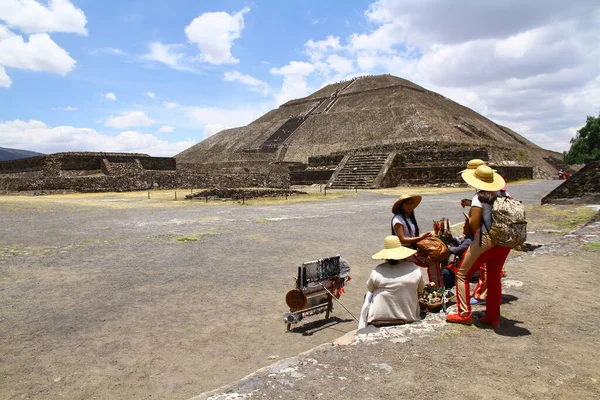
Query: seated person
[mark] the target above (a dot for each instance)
(393, 287)
(405, 226)
(457, 247)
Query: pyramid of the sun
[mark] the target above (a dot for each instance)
(373, 114)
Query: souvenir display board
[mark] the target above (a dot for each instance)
(316, 283)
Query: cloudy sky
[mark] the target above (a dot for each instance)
(158, 76)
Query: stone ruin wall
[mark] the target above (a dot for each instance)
(446, 174)
(101, 172)
(583, 187)
(424, 155)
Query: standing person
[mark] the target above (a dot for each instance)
(471, 165)
(482, 250)
(393, 287)
(480, 292)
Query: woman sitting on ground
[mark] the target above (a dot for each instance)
(393, 287)
(404, 225)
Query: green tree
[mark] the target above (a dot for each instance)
(586, 144)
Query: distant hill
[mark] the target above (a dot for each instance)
(14, 154)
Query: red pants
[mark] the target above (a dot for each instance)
(480, 292)
(494, 258)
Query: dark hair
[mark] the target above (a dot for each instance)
(412, 218)
(487, 197)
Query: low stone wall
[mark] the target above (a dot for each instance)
(158, 163)
(144, 181)
(82, 161)
(318, 161)
(310, 177)
(445, 174)
(100, 172)
(22, 165)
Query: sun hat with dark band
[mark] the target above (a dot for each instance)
(398, 203)
(473, 164)
(484, 178)
(393, 250)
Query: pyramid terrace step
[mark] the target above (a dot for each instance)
(357, 176)
(359, 171)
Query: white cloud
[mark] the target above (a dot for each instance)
(294, 80)
(170, 55)
(246, 80)
(380, 40)
(299, 68)
(110, 51)
(166, 129)
(40, 53)
(214, 34)
(5, 80)
(170, 105)
(110, 96)
(442, 22)
(341, 65)
(216, 119)
(37, 136)
(30, 16)
(316, 49)
(127, 120)
(150, 94)
(67, 108)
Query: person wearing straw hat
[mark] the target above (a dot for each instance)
(393, 287)
(471, 165)
(404, 225)
(482, 250)
(480, 292)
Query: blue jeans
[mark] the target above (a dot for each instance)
(449, 278)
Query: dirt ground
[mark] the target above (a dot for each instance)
(543, 349)
(117, 296)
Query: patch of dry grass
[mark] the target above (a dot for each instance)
(592, 246)
(17, 249)
(143, 199)
(421, 190)
(557, 218)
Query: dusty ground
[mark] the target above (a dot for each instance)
(543, 349)
(118, 296)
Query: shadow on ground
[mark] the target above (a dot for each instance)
(313, 327)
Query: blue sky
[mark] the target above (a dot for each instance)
(160, 76)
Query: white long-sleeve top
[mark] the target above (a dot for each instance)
(395, 289)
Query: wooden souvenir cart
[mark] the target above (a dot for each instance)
(316, 284)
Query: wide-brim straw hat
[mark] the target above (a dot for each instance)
(484, 178)
(473, 164)
(393, 250)
(398, 203)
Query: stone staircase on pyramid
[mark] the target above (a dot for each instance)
(363, 171)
